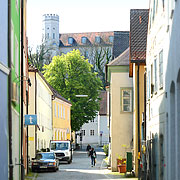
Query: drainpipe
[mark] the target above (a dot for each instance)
(145, 168)
(138, 118)
(27, 132)
(35, 112)
(9, 93)
(22, 90)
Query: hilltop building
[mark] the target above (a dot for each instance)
(97, 47)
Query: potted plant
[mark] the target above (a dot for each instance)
(122, 166)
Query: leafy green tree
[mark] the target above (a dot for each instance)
(70, 74)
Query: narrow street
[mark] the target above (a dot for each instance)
(80, 168)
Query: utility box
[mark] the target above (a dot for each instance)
(129, 162)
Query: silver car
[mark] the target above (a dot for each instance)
(45, 161)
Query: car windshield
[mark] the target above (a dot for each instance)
(45, 156)
(59, 145)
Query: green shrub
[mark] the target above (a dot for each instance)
(106, 149)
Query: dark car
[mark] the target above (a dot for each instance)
(45, 161)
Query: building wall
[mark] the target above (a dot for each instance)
(15, 72)
(89, 138)
(157, 47)
(4, 89)
(135, 110)
(43, 104)
(121, 122)
(44, 114)
(103, 131)
(61, 120)
(172, 81)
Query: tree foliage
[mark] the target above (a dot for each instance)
(70, 74)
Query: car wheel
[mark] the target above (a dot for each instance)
(70, 161)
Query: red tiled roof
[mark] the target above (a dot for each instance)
(138, 34)
(90, 37)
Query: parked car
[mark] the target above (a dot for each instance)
(45, 161)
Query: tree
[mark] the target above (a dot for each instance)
(70, 74)
(40, 57)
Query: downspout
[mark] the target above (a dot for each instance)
(22, 89)
(35, 112)
(138, 118)
(145, 168)
(9, 93)
(27, 101)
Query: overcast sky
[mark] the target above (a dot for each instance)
(81, 15)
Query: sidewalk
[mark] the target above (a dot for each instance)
(31, 176)
(117, 175)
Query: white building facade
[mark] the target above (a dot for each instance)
(163, 90)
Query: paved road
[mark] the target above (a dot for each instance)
(79, 169)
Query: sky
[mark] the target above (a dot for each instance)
(77, 16)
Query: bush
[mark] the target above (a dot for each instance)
(106, 149)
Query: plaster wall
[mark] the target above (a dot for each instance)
(121, 122)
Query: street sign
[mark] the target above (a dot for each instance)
(31, 119)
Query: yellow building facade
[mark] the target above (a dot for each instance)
(61, 117)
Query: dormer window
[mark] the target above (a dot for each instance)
(111, 38)
(84, 40)
(70, 40)
(98, 39)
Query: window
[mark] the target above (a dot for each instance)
(70, 40)
(84, 40)
(53, 35)
(61, 111)
(126, 100)
(98, 39)
(12, 43)
(155, 76)
(58, 110)
(16, 56)
(47, 35)
(55, 109)
(86, 54)
(152, 80)
(83, 132)
(91, 132)
(161, 69)
(111, 38)
(92, 120)
(17, 5)
(148, 84)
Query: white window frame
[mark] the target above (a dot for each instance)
(16, 56)
(17, 5)
(61, 112)
(92, 132)
(55, 109)
(58, 110)
(161, 69)
(124, 97)
(155, 76)
(12, 43)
